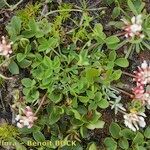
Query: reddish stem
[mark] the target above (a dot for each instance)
(120, 34)
(129, 74)
(40, 105)
(124, 92)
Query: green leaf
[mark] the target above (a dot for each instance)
(33, 25)
(13, 68)
(109, 2)
(2, 4)
(116, 75)
(137, 147)
(112, 40)
(45, 26)
(139, 138)
(34, 96)
(98, 125)
(78, 146)
(31, 94)
(26, 91)
(98, 33)
(123, 143)
(132, 7)
(127, 133)
(110, 65)
(27, 82)
(52, 42)
(14, 28)
(91, 74)
(44, 45)
(18, 145)
(55, 114)
(24, 42)
(122, 62)
(55, 97)
(90, 94)
(95, 117)
(98, 96)
(25, 63)
(112, 55)
(47, 62)
(56, 62)
(26, 131)
(76, 114)
(147, 132)
(146, 45)
(114, 129)
(33, 30)
(47, 44)
(98, 28)
(92, 147)
(110, 143)
(20, 57)
(83, 132)
(76, 122)
(103, 103)
(92, 105)
(116, 12)
(83, 58)
(83, 99)
(38, 136)
(16, 24)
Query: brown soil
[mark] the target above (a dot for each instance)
(108, 115)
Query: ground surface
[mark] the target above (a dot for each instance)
(6, 94)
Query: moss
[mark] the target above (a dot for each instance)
(8, 131)
(30, 11)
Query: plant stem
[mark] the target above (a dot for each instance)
(40, 105)
(2, 103)
(55, 52)
(12, 7)
(124, 92)
(95, 9)
(16, 5)
(129, 74)
(6, 3)
(92, 47)
(6, 78)
(56, 11)
(75, 10)
(120, 34)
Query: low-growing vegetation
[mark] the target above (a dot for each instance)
(75, 75)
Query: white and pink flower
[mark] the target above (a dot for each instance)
(134, 27)
(27, 119)
(142, 74)
(141, 92)
(5, 48)
(139, 89)
(134, 120)
(142, 78)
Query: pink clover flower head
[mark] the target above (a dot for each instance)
(139, 89)
(28, 111)
(134, 27)
(142, 74)
(27, 119)
(5, 48)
